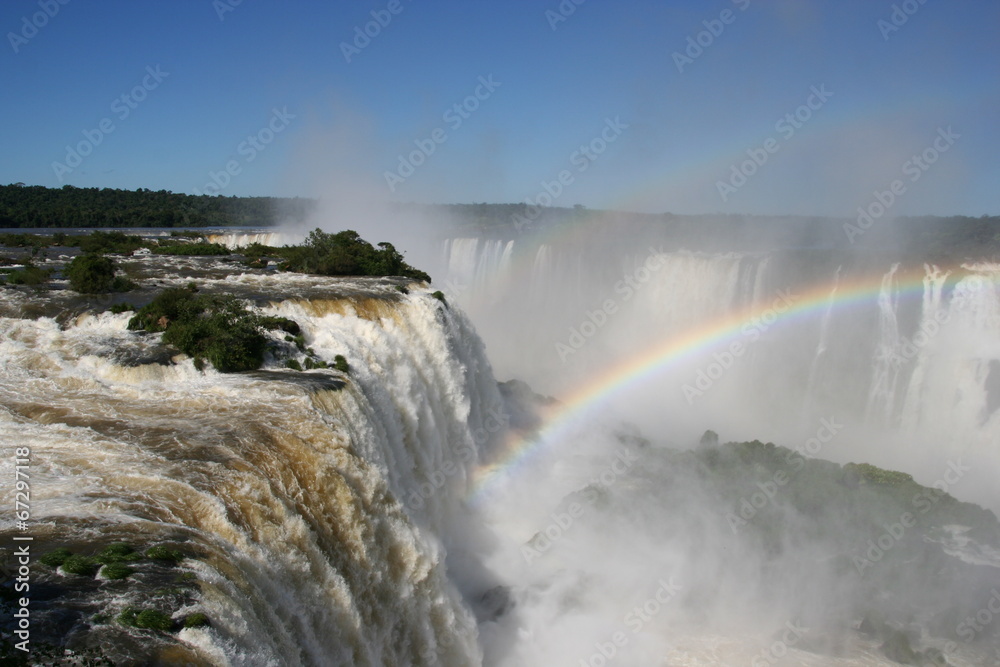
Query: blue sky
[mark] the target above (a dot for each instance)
(676, 138)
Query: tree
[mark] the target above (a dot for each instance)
(91, 274)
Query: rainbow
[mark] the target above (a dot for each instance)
(633, 371)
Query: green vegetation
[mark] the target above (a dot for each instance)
(147, 619)
(80, 565)
(870, 473)
(293, 364)
(121, 308)
(37, 206)
(216, 328)
(195, 620)
(340, 363)
(165, 554)
(346, 254)
(24, 206)
(272, 323)
(96, 274)
(439, 295)
(34, 241)
(101, 242)
(117, 553)
(30, 275)
(312, 362)
(192, 249)
(299, 340)
(116, 571)
(56, 557)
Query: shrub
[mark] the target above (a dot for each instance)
(95, 274)
(205, 327)
(193, 249)
(293, 364)
(312, 363)
(439, 295)
(147, 619)
(162, 553)
(56, 557)
(195, 620)
(271, 323)
(117, 553)
(80, 565)
(340, 363)
(114, 241)
(154, 620)
(877, 475)
(346, 254)
(30, 275)
(116, 571)
(121, 308)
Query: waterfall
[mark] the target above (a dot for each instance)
(316, 507)
(821, 346)
(886, 362)
(234, 240)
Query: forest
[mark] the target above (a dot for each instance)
(35, 206)
(933, 237)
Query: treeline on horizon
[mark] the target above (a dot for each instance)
(23, 206)
(36, 206)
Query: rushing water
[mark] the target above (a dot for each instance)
(340, 519)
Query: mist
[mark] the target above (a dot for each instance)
(612, 540)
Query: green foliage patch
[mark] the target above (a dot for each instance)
(165, 554)
(147, 619)
(192, 249)
(117, 553)
(31, 275)
(346, 254)
(56, 557)
(80, 565)
(116, 571)
(195, 620)
(216, 328)
(96, 274)
(875, 475)
(340, 363)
